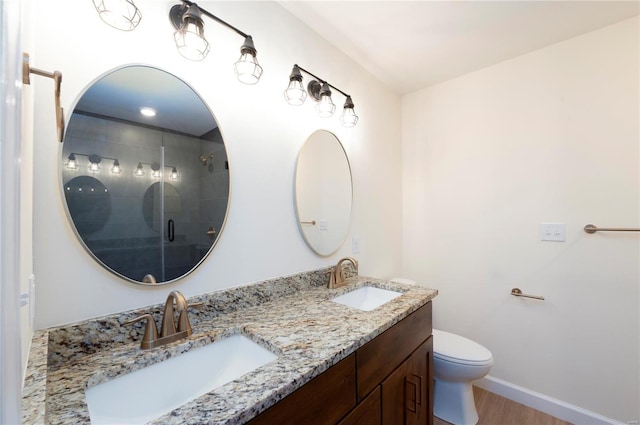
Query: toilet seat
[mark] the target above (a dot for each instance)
(458, 349)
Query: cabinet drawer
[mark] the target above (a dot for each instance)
(368, 412)
(323, 401)
(380, 356)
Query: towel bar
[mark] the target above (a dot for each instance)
(592, 228)
(516, 292)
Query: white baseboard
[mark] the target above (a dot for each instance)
(551, 406)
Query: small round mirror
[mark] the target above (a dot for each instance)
(323, 193)
(145, 174)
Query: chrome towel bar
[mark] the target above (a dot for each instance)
(592, 228)
(516, 292)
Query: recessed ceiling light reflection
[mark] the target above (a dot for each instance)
(148, 112)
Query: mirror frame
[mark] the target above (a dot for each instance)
(299, 219)
(59, 170)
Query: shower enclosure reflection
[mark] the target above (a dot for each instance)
(162, 198)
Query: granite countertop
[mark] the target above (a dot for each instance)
(308, 332)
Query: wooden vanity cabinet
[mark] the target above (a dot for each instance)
(407, 394)
(388, 381)
(324, 400)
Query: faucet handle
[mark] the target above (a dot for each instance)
(150, 330)
(183, 319)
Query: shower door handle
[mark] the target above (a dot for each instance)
(171, 230)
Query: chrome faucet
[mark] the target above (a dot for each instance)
(336, 279)
(169, 331)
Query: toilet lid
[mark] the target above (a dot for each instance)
(458, 349)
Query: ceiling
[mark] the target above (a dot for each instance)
(410, 45)
(120, 95)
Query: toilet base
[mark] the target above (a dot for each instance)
(454, 403)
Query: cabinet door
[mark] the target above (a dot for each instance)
(407, 394)
(367, 412)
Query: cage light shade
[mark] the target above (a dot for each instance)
(189, 38)
(139, 170)
(247, 68)
(72, 164)
(116, 167)
(348, 117)
(325, 106)
(120, 14)
(295, 94)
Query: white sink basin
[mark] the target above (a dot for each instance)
(146, 394)
(366, 298)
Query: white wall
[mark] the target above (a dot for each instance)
(551, 136)
(263, 135)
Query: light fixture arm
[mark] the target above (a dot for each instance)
(178, 17)
(321, 80)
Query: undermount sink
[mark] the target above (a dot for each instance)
(146, 394)
(366, 298)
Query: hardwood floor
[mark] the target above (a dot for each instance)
(496, 410)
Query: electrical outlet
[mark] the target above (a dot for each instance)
(553, 232)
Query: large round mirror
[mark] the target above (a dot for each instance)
(145, 175)
(323, 193)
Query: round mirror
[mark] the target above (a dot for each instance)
(323, 193)
(145, 175)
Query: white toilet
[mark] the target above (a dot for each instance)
(456, 362)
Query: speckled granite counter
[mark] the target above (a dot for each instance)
(290, 316)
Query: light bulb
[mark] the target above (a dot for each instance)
(72, 164)
(325, 107)
(348, 117)
(295, 94)
(139, 170)
(94, 163)
(174, 174)
(116, 167)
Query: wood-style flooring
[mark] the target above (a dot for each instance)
(496, 410)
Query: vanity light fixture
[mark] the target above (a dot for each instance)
(72, 164)
(325, 106)
(94, 163)
(116, 167)
(320, 91)
(186, 18)
(120, 14)
(156, 170)
(295, 94)
(139, 172)
(348, 117)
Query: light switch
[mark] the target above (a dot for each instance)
(355, 245)
(554, 232)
